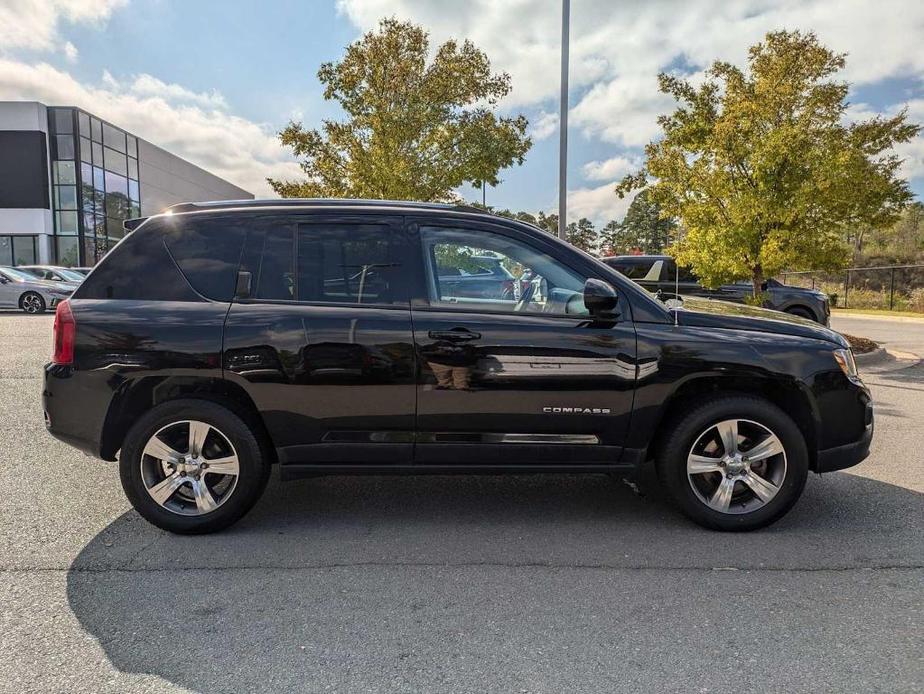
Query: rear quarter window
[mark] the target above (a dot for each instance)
(208, 252)
(138, 268)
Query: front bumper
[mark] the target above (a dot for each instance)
(850, 454)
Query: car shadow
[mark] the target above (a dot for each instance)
(334, 579)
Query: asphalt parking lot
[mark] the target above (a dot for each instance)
(464, 584)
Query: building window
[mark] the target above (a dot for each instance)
(18, 250)
(66, 223)
(84, 121)
(66, 251)
(64, 172)
(6, 250)
(95, 185)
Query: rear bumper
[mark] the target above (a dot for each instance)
(850, 454)
(72, 412)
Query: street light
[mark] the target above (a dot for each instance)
(563, 124)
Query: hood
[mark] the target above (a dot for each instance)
(707, 313)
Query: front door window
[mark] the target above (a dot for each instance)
(481, 271)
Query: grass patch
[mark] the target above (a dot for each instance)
(877, 312)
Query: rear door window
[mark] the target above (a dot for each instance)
(349, 263)
(269, 261)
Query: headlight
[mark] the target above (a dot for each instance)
(845, 360)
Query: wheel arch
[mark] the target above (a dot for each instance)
(792, 308)
(137, 396)
(790, 397)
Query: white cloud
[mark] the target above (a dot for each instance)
(599, 204)
(613, 168)
(543, 126)
(33, 24)
(192, 125)
(148, 86)
(617, 48)
(70, 52)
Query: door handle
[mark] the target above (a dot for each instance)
(455, 335)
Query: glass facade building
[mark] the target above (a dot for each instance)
(69, 180)
(95, 185)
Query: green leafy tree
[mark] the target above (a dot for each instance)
(643, 228)
(581, 234)
(761, 170)
(416, 128)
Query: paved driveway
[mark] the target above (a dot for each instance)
(474, 584)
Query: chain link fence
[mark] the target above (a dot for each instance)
(883, 287)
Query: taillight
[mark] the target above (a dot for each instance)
(65, 332)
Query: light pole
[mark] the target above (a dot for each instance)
(563, 123)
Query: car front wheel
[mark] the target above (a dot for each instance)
(734, 463)
(192, 466)
(32, 302)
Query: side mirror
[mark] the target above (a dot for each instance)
(600, 298)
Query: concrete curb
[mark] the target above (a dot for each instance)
(877, 355)
(887, 361)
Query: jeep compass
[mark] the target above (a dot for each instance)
(334, 337)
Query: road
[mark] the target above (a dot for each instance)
(465, 584)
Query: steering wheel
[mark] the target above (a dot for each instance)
(526, 297)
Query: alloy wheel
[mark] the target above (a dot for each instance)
(736, 466)
(189, 468)
(32, 303)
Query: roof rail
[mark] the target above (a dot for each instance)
(319, 202)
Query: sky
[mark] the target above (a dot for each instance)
(214, 80)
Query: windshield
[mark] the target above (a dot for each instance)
(70, 275)
(16, 274)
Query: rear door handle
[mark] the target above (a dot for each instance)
(455, 335)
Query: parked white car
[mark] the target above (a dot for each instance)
(21, 290)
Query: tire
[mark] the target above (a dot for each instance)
(698, 434)
(200, 501)
(32, 302)
(802, 313)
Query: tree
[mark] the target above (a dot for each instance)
(581, 234)
(415, 129)
(643, 228)
(761, 169)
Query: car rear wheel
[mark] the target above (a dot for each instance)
(192, 466)
(32, 302)
(734, 463)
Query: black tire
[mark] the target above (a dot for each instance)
(32, 302)
(802, 313)
(253, 460)
(671, 461)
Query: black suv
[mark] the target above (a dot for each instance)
(658, 273)
(219, 339)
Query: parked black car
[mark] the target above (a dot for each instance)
(657, 273)
(223, 338)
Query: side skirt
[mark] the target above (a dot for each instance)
(291, 471)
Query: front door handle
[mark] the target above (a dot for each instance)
(455, 335)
